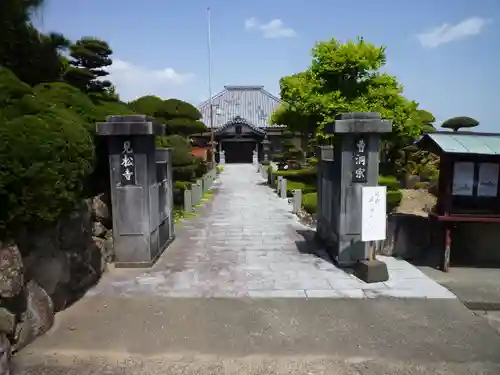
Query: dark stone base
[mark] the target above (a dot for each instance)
(145, 264)
(371, 271)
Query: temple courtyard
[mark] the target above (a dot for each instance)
(244, 290)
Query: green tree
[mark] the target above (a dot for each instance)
(346, 77)
(34, 57)
(457, 123)
(147, 105)
(178, 116)
(90, 57)
(45, 152)
(181, 117)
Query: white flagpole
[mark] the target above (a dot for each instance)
(212, 138)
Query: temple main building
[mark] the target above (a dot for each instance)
(241, 122)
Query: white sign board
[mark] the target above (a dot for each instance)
(487, 186)
(463, 178)
(373, 213)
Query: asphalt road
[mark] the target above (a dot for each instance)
(264, 336)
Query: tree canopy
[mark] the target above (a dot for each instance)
(90, 56)
(32, 56)
(178, 116)
(347, 77)
(49, 104)
(456, 123)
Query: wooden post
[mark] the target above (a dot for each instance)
(447, 247)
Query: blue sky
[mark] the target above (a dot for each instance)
(443, 51)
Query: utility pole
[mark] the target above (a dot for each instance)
(212, 135)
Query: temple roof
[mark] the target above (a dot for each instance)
(252, 103)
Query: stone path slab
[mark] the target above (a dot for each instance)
(247, 243)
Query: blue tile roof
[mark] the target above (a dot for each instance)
(469, 143)
(252, 103)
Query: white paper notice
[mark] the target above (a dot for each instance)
(487, 185)
(373, 213)
(463, 178)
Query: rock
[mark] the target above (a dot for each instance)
(38, 318)
(52, 273)
(89, 267)
(34, 241)
(98, 260)
(11, 271)
(5, 355)
(108, 251)
(75, 231)
(100, 211)
(99, 230)
(7, 321)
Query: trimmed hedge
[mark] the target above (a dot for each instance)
(45, 160)
(394, 194)
(309, 199)
(295, 185)
(391, 182)
(310, 202)
(308, 176)
(393, 199)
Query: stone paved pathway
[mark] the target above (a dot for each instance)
(247, 243)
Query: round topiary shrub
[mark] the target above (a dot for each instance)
(44, 162)
(60, 95)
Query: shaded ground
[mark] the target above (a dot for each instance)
(246, 243)
(265, 336)
(477, 288)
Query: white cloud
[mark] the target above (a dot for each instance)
(448, 33)
(133, 81)
(273, 29)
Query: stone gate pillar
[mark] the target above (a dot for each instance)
(166, 197)
(135, 188)
(354, 163)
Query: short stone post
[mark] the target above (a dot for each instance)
(283, 188)
(297, 200)
(278, 184)
(355, 164)
(188, 202)
(222, 157)
(135, 190)
(255, 160)
(265, 149)
(196, 193)
(199, 183)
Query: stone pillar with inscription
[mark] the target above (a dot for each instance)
(355, 163)
(135, 189)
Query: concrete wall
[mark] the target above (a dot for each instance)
(477, 243)
(408, 236)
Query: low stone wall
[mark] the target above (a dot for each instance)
(409, 237)
(42, 272)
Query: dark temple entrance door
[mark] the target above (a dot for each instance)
(239, 152)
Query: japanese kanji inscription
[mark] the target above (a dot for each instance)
(360, 156)
(127, 164)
